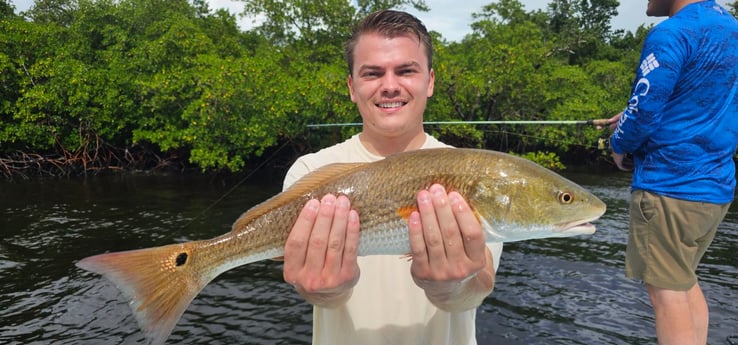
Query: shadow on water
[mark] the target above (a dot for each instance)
(555, 291)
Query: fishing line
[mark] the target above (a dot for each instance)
(598, 145)
(238, 184)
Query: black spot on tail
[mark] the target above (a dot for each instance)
(181, 259)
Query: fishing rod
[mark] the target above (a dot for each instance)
(594, 122)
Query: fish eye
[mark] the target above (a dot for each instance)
(566, 197)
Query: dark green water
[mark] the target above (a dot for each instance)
(556, 291)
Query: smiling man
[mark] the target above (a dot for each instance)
(385, 299)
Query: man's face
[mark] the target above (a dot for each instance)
(390, 82)
(659, 8)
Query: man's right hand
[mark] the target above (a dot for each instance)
(321, 249)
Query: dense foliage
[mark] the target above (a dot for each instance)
(100, 84)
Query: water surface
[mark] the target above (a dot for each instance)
(553, 291)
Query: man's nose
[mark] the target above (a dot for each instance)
(390, 85)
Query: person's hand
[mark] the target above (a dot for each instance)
(612, 122)
(450, 259)
(321, 249)
(622, 161)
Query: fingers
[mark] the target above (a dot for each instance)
(320, 251)
(611, 123)
(351, 244)
(470, 230)
(615, 120)
(318, 243)
(434, 207)
(445, 233)
(343, 223)
(417, 239)
(295, 248)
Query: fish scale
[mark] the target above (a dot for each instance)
(513, 198)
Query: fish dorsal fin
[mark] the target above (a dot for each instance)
(300, 188)
(322, 175)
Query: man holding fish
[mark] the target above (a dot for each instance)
(432, 298)
(354, 273)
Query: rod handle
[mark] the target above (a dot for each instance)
(599, 122)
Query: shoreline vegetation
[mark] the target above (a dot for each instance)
(83, 163)
(108, 160)
(105, 160)
(102, 86)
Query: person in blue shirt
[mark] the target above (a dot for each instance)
(681, 127)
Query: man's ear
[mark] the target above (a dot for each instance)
(431, 82)
(350, 84)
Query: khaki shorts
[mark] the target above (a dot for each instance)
(668, 238)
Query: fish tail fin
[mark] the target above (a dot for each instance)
(160, 283)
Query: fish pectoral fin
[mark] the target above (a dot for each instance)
(405, 211)
(278, 258)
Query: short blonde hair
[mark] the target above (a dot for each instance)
(391, 24)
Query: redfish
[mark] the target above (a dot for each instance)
(513, 198)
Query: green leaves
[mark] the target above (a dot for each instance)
(176, 77)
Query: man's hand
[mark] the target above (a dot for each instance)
(612, 122)
(320, 252)
(622, 161)
(451, 261)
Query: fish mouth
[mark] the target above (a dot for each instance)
(578, 227)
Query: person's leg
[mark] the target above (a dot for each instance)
(682, 317)
(667, 240)
(700, 313)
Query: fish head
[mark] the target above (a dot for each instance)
(517, 200)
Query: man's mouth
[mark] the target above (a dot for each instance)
(389, 105)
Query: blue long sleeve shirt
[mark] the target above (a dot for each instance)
(681, 122)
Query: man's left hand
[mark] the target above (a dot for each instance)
(622, 162)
